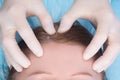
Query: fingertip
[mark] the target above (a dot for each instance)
(49, 27)
(63, 28)
(26, 65)
(60, 29)
(39, 52)
(18, 68)
(86, 57)
(98, 68)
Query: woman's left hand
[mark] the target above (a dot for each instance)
(107, 27)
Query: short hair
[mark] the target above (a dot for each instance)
(76, 35)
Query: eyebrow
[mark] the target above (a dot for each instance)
(82, 73)
(39, 72)
(43, 72)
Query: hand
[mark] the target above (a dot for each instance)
(13, 19)
(107, 27)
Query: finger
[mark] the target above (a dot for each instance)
(13, 63)
(96, 43)
(71, 16)
(44, 17)
(29, 37)
(17, 67)
(8, 63)
(10, 45)
(6, 58)
(67, 20)
(108, 57)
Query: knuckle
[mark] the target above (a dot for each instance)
(46, 18)
(5, 41)
(12, 9)
(15, 9)
(10, 32)
(24, 31)
(68, 19)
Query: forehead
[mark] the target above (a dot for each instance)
(61, 61)
(60, 57)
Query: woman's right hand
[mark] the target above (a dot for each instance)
(13, 19)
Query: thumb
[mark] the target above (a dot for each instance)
(70, 17)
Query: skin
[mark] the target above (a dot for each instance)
(107, 26)
(13, 16)
(61, 61)
(13, 19)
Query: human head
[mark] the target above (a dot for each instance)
(62, 56)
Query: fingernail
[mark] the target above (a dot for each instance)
(19, 69)
(27, 64)
(86, 56)
(39, 52)
(50, 28)
(62, 28)
(97, 68)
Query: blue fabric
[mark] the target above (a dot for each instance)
(113, 72)
(57, 8)
(3, 66)
(1, 1)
